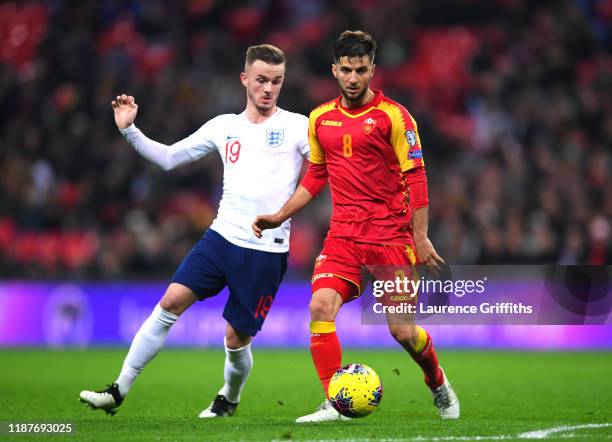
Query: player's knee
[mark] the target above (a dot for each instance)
(177, 299)
(171, 306)
(321, 309)
(403, 333)
(235, 340)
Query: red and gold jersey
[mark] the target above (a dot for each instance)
(365, 151)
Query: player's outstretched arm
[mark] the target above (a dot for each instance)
(312, 183)
(297, 202)
(125, 110)
(167, 157)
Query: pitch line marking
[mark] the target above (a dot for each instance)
(536, 434)
(543, 434)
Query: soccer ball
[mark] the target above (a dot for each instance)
(355, 390)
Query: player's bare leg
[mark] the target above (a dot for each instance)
(148, 341)
(325, 348)
(238, 364)
(417, 342)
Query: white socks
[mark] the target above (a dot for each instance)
(150, 339)
(238, 365)
(146, 344)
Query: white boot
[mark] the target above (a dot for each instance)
(325, 413)
(446, 400)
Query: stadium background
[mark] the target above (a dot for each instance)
(513, 103)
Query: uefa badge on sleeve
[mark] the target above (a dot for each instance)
(274, 137)
(415, 154)
(411, 138)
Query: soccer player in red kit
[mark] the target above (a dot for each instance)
(367, 147)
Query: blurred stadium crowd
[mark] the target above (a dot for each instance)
(513, 100)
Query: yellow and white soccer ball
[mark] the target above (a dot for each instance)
(355, 390)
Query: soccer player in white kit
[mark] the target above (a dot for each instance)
(262, 150)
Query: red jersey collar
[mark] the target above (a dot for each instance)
(378, 96)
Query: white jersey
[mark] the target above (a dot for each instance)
(262, 163)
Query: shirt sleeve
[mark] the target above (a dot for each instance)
(317, 156)
(304, 145)
(416, 180)
(315, 178)
(405, 140)
(189, 149)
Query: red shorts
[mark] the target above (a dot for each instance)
(339, 264)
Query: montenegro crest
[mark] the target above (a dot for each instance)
(369, 125)
(274, 137)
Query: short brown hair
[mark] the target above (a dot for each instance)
(354, 44)
(267, 53)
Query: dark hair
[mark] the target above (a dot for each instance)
(354, 44)
(267, 53)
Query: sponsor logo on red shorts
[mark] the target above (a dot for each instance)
(320, 260)
(322, 275)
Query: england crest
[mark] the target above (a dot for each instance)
(274, 137)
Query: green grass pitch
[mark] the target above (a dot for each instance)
(502, 395)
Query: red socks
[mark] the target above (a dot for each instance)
(327, 354)
(424, 354)
(325, 349)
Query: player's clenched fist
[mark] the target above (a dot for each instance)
(125, 109)
(264, 222)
